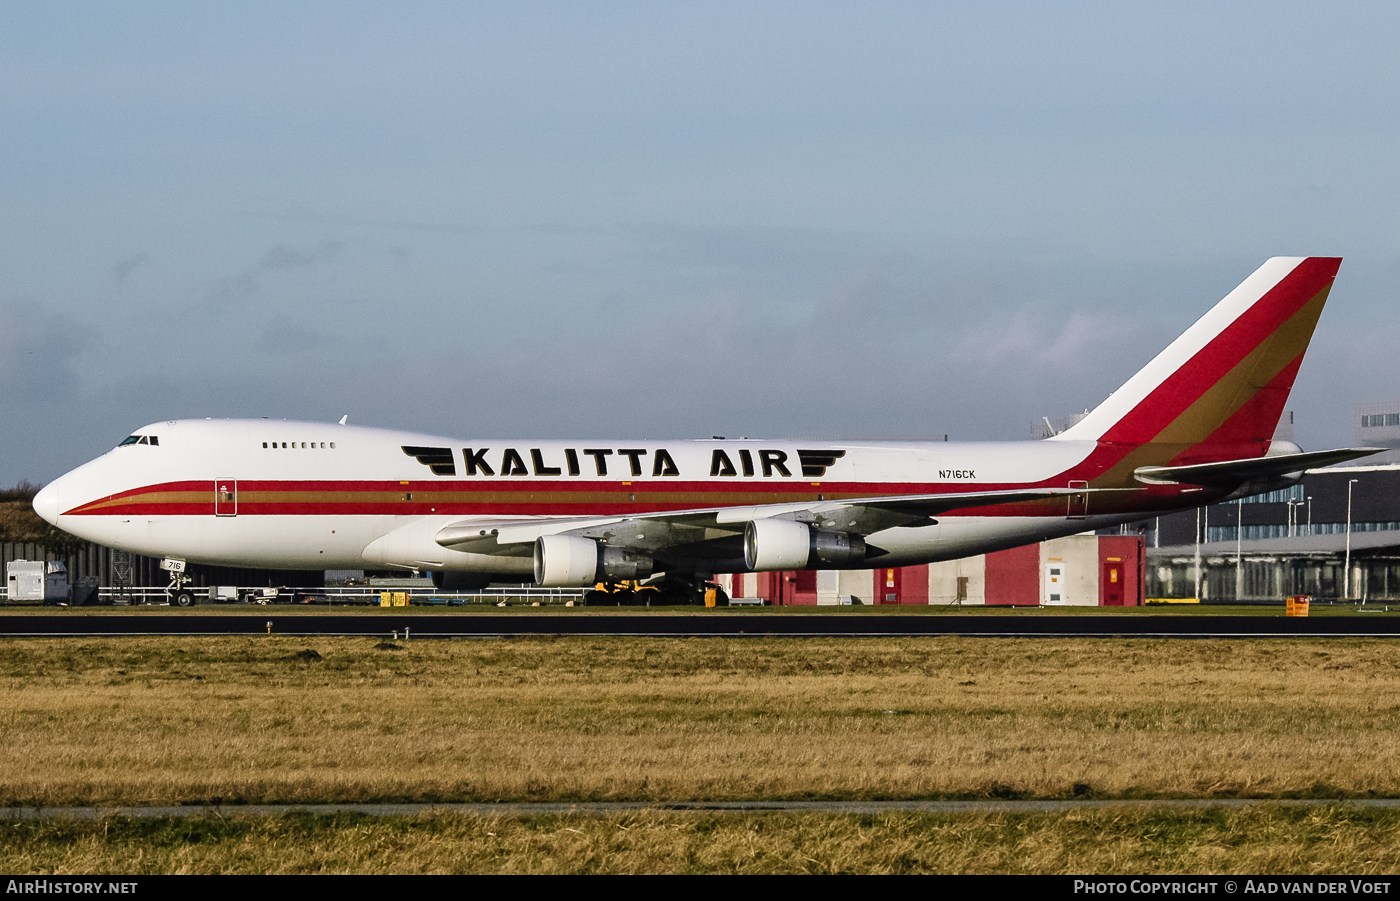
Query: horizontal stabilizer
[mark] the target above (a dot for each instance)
(1230, 472)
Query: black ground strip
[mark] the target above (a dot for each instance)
(697, 625)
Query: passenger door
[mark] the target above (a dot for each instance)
(226, 497)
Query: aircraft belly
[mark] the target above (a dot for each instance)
(413, 544)
(274, 542)
(967, 536)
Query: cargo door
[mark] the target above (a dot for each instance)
(226, 497)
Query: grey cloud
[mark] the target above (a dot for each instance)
(752, 247)
(1042, 336)
(125, 267)
(284, 257)
(39, 354)
(287, 334)
(234, 287)
(281, 258)
(451, 228)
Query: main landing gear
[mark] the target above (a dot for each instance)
(666, 591)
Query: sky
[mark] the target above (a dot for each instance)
(571, 220)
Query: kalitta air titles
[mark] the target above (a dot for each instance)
(623, 461)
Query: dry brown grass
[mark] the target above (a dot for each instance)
(1326, 840)
(188, 720)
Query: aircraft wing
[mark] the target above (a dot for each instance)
(654, 531)
(1229, 472)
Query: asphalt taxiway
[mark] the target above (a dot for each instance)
(388, 623)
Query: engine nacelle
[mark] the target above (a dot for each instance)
(618, 563)
(566, 561)
(775, 544)
(836, 550)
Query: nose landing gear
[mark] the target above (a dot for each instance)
(180, 596)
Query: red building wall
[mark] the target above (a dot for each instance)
(804, 586)
(1013, 577)
(1125, 554)
(902, 585)
(783, 589)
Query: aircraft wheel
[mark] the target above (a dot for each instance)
(679, 592)
(182, 598)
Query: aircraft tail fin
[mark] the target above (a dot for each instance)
(1217, 392)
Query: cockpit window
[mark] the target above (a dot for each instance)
(130, 439)
(139, 439)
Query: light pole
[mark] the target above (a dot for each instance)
(1346, 575)
(1239, 536)
(1198, 554)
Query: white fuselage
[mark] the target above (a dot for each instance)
(295, 495)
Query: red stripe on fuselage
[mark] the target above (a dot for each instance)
(531, 497)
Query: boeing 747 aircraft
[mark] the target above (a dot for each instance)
(1192, 427)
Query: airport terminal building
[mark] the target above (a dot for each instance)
(1336, 534)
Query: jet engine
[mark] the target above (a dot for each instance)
(773, 544)
(565, 561)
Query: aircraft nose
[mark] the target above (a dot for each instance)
(46, 503)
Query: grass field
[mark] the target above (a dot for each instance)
(276, 719)
(134, 721)
(1328, 840)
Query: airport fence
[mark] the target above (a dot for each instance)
(358, 596)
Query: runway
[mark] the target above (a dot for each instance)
(726, 624)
